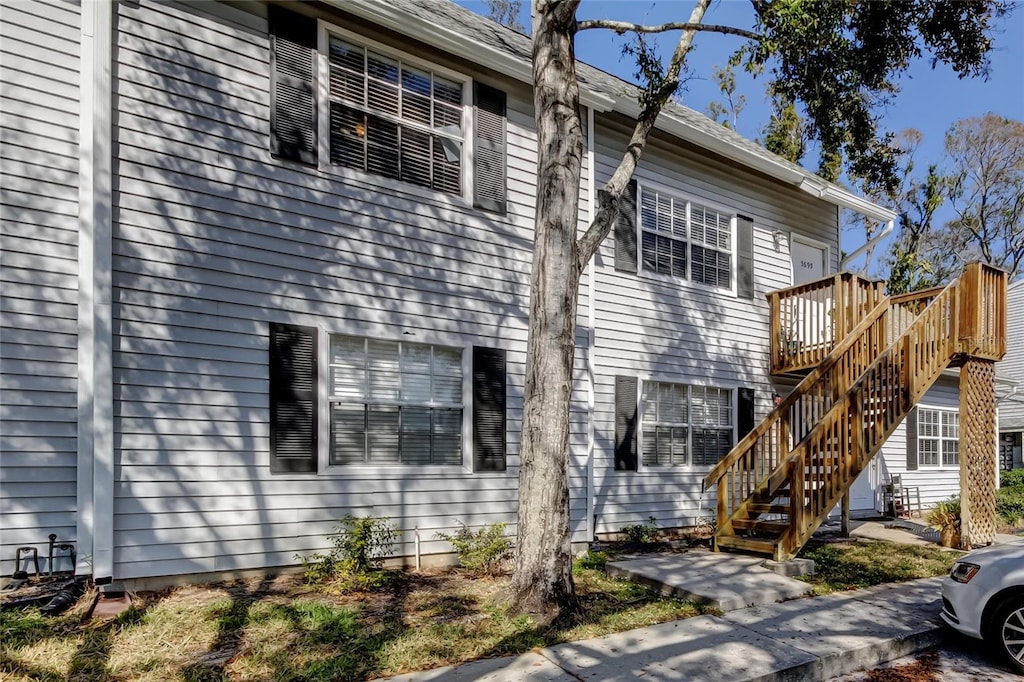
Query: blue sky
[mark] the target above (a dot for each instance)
(930, 100)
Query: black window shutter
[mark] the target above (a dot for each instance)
(292, 96)
(293, 399)
(744, 257)
(744, 411)
(911, 423)
(489, 171)
(625, 423)
(625, 231)
(489, 390)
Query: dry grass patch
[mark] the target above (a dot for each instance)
(853, 565)
(284, 629)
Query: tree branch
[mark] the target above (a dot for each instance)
(609, 196)
(621, 27)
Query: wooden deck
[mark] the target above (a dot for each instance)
(867, 359)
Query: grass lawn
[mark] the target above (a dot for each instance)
(284, 629)
(851, 565)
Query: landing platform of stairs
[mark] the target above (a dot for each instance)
(724, 581)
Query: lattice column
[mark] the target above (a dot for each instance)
(977, 453)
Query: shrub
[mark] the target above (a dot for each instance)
(642, 533)
(359, 546)
(483, 552)
(592, 560)
(1013, 478)
(1010, 503)
(946, 517)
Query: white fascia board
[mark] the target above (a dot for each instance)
(453, 42)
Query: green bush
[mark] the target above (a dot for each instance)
(1014, 478)
(483, 552)
(1010, 503)
(358, 549)
(592, 560)
(642, 533)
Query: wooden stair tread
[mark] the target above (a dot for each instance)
(759, 526)
(758, 508)
(755, 545)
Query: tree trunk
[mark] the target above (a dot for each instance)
(542, 584)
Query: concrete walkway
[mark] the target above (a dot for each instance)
(802, 639)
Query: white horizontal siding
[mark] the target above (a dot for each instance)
(39, 273)
(1011, 411)
(215, 240)
(657, 327)
(934, 484)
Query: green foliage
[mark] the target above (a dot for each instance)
(642, 533)
(593, 561)
(728, 113)
(359, 546)
(1010, 503)
(946, 515)
(841, 61)
(1011, 478)
(784, 134)
(483, 552)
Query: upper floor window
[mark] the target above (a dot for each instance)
(394, 119)
(685, 239)
(338, 100)
(938, 438)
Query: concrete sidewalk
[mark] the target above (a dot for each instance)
(803, 639)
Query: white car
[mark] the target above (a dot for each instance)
(983, 597)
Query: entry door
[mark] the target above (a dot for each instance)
(810, 261)
(810, 319)
(862, 492)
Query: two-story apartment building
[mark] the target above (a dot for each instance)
(266, 265)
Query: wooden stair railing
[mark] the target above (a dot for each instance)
(808, 320)
(780, 482)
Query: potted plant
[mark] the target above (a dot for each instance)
(946, 517)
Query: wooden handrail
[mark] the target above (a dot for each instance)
(801, 389)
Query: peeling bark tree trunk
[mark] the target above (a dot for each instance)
(542, 583)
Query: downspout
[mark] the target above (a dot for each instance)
(886, 231)
(591, 338)
(95, 472)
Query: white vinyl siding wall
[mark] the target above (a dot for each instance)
(215, 240)
(1011, 411)
(663, 329)
(39, 274)
(935, 483)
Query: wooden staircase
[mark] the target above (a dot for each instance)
(868, 367)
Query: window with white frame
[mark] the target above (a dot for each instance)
(395, 403)
(394, 119)
(684, 425)
(685, 239)
(938, 438)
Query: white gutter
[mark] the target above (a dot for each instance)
(868, 244)
(95, 472)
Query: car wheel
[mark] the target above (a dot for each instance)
(1007, 632)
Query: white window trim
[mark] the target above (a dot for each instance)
(687, 281)
(940, 438)
(660, 379)
(325, 30)
(812, 242)
(325, 468)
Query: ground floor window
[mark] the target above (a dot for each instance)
(683, 425)
(938, 437)
(395, 403)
